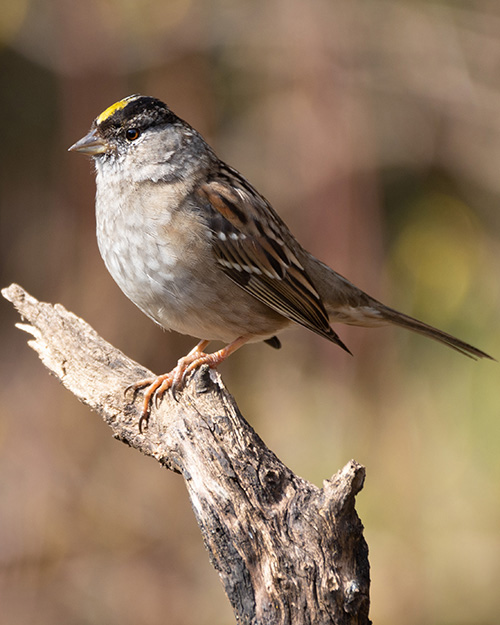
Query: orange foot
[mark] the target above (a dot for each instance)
(156, 387)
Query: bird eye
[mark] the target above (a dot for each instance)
(132, 134)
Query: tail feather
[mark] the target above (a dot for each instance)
(405, 321)
(346, 303)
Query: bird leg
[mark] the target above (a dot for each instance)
(156, 387)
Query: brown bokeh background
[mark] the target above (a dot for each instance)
(374, 129)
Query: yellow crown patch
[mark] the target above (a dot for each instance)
(115, 107)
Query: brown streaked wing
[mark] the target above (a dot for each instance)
(252, 246)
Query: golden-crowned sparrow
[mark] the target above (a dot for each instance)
(200, 251)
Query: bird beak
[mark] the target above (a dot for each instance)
(90, 144)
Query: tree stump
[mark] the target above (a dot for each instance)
(286, 551)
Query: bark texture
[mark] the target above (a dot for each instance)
(286, 551)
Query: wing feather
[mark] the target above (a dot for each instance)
(256, 250)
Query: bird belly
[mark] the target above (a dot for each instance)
(186, 292)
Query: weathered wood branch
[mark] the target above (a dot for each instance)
(285, 550)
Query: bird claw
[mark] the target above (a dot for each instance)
(184, 375)
(154, 392)
(143, 420)
(176, 379)
(156, 389)
(136, 386)
(156, 400)
(179, 379)
(176, 389)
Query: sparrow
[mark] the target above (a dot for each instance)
(200, 251)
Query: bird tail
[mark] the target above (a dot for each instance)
(345, 303)
(405, 321)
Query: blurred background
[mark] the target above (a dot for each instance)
(374, 129)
